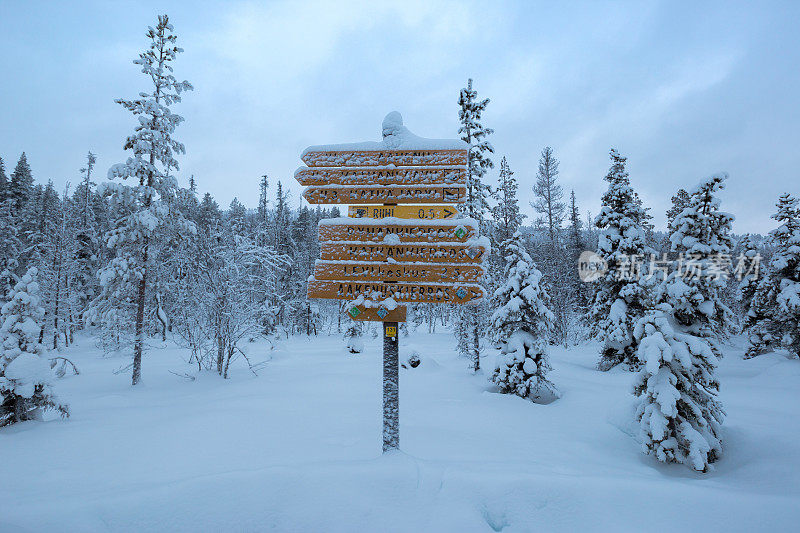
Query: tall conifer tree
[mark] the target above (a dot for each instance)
(146, 204)
(619, 298)
(474, 134)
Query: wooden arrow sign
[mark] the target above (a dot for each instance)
(381, 158)
(418, 253)
(418, 194)
(334, 229)
(375, 271)
(401, 292)
(381, 176)
(376, 314)
(428, 212)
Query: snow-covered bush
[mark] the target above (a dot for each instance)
(354, 337)
(24, 373)
(680, 419)
(773, 319)
(412, 361)
(520, 324)
(620, 298)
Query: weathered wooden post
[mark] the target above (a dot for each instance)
(391, 387)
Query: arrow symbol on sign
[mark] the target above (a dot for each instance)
(448, 212)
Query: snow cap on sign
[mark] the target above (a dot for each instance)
(395, 137)
(393, 124)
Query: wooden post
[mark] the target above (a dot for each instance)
(391, 389)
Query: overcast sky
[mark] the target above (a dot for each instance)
(682, 90)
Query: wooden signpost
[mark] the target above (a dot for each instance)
(427, 212)
(431, 293)
(323, 157)
(381, 271)
(381, 231)
(369, 194)
(412, 252)
(381, 176)
(395, 252)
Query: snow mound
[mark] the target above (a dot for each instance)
(26, 371)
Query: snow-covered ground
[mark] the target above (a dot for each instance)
(298, 449)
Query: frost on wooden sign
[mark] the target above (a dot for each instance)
(381, 176)
(369, 194)
(386, 230)
(415, 252)
(419, 212)
(380, 271)
(420, 253)
(401, 292)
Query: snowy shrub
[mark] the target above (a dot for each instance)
(353, 336)
(24, 373)
(520, 325)
(521, 369)
(412, 361)
(680, 419)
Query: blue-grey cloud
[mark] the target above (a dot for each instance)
(683, 90)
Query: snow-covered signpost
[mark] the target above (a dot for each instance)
(395, 252)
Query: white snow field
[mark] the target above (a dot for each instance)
(298, 449)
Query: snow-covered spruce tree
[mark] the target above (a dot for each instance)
(749, 267)
(262, 221)
(146, 205)
(773, 319)
(24, 374)
(576, 244)
(701, 237)
(86, 237)
(10, 244)
(472, 132)
(576, 241)
(20, 187)
(679, 202)
(680, 418)
(3, 180)
(520, 325)
(619, 298)
(506, 219)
